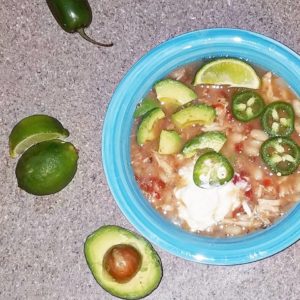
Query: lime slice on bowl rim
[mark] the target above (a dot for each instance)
(228, 71)
(32, 130)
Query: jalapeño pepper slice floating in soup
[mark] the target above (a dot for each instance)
(278, 119)
(247, 105)
(281, 155)
(212, 169)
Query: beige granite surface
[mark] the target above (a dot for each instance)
(45, 70)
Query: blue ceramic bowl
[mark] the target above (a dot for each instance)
(156, 64)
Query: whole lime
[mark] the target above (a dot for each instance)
(47, 167)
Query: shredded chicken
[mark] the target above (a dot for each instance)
(267, 88)
(296, 106)
(297, 126)
(167, 171)
(219, 124)
(178, 74)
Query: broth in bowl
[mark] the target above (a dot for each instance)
(214, 147)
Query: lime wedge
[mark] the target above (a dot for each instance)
(32, 130)
(228, 71)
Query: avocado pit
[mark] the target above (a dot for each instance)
(122, 262)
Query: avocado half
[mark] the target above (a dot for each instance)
(146, 279)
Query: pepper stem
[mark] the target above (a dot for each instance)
(86, 37)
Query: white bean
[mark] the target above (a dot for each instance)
(259, 135)
(233, 230)
(252, 147)
(258, 174)
(296, 105)
(297, 126)
(236, 137)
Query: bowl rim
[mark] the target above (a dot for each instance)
(159, 231)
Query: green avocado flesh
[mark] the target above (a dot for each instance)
(173, 89)
(145, 131)
(194, 114)
(214, 140)
(169, 142)
(146, 279)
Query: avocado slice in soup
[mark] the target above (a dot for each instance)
(195, 114)
(145, 131)
(214, 140)
(170, 90)
(169, 142)
(145, 106)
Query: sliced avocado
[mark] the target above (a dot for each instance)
(169, 142)
(169, 102)
(173, 89)
(208, 140)
(103, 241)
(145, 130)
(194, 114)
(144, 107)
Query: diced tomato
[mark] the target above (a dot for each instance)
(235, 178)
(239, 147)
(267, 182)
(218, 105)
(229, 116)
(152, 185)
(241, 176)
(249, 194)
(248, 128)
(238, 210)
(253, 159)
(244, 174)
(238, 178)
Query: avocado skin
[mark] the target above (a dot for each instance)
(144, 107)
(121, 234)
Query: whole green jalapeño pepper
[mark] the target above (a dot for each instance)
(73, 16)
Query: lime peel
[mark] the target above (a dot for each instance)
(47, 167)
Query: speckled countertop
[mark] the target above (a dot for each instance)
(45, 70)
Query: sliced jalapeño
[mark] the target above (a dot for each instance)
(281, 155)
(278, 119)
(212, 169)
(247, 105)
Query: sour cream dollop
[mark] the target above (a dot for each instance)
(202, 208)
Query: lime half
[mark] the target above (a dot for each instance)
(228, 71)
(32, 130)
